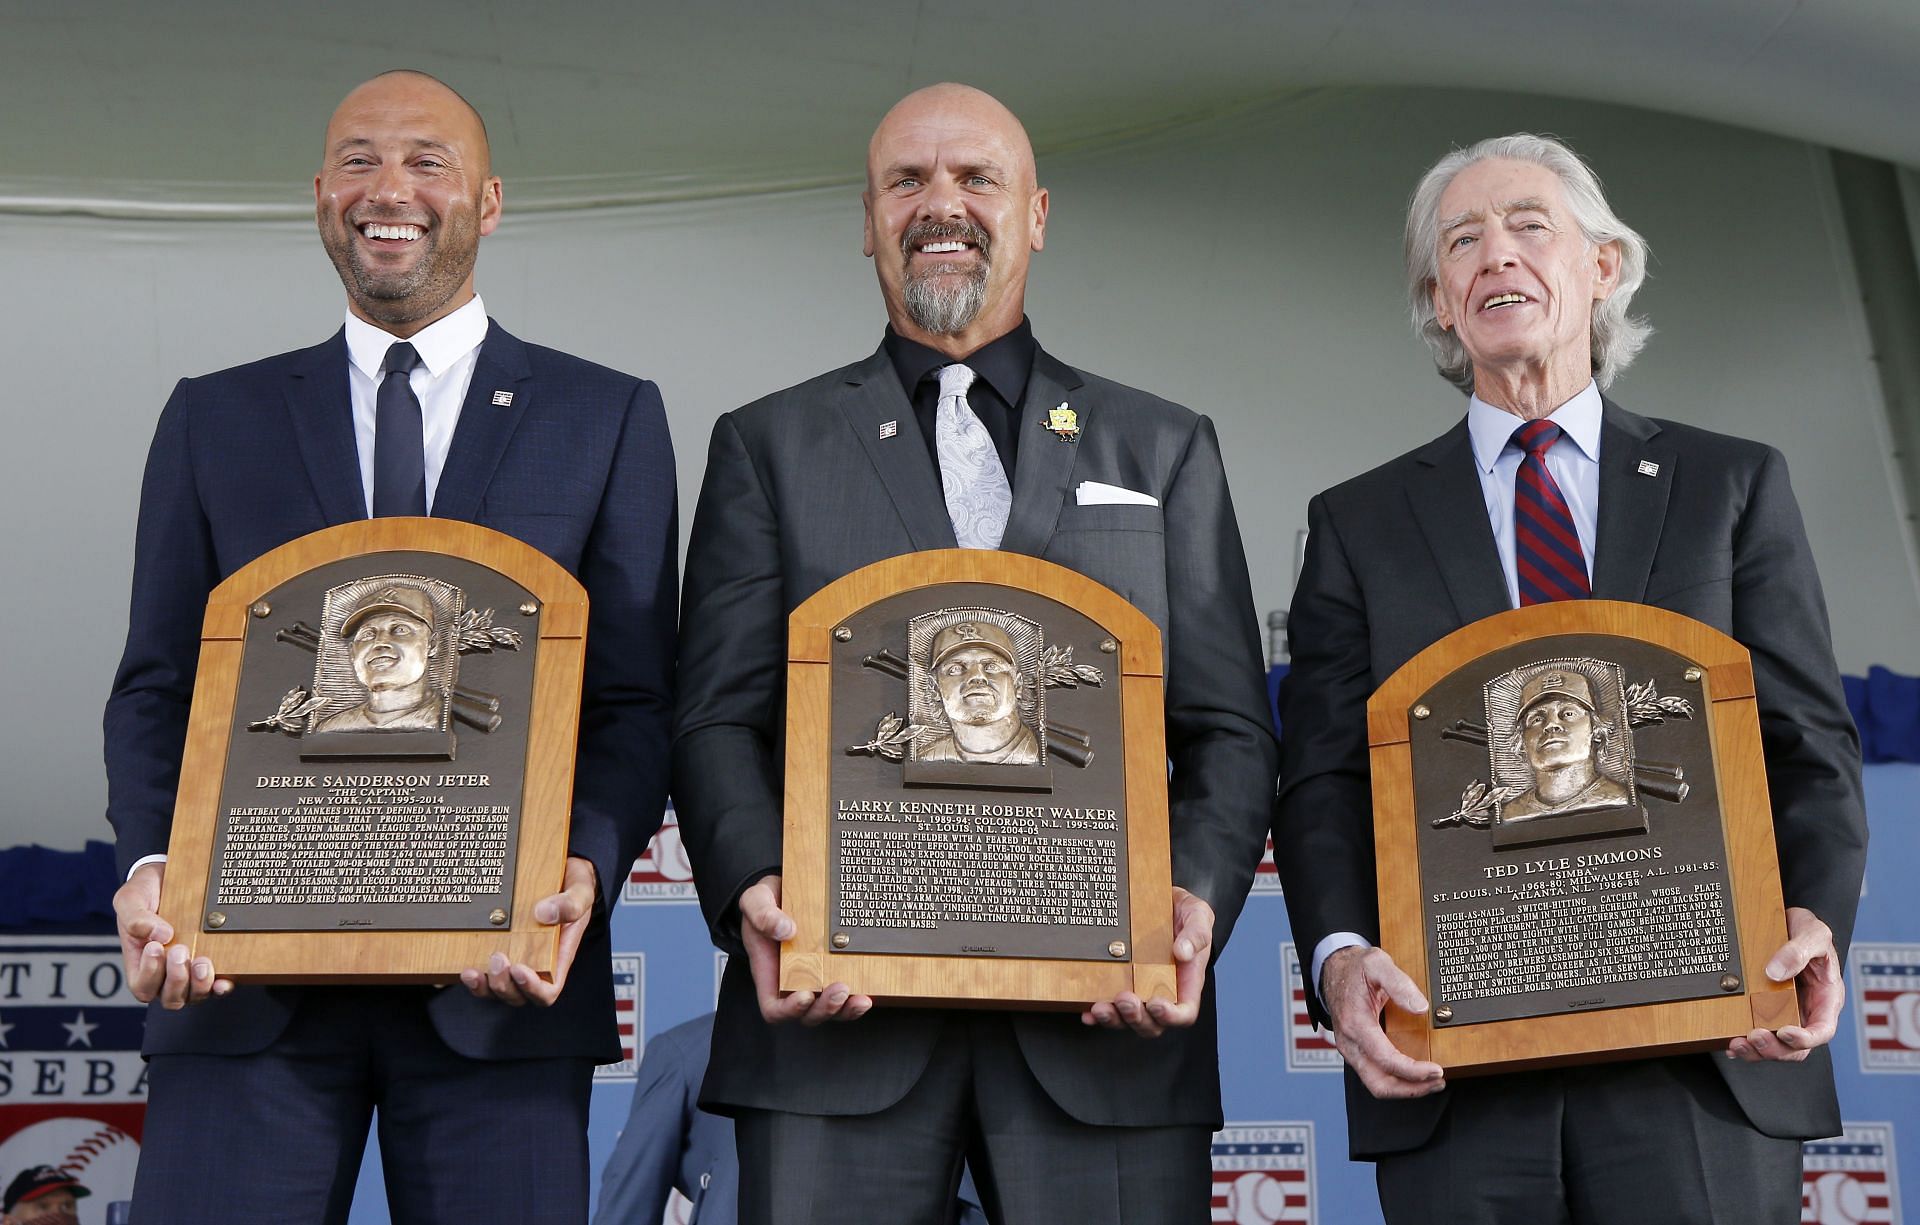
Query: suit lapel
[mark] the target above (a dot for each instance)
(1445, 499)
(1044, 463)
(485, 427)
(1633, 503)
(871, 398)
(320, 403)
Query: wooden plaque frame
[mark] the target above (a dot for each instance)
(1627, 1032)
(395, 957)
(808, 962)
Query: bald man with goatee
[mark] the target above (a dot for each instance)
(848, 1111)
(260, 1097)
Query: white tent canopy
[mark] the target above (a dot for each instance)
(122, 106)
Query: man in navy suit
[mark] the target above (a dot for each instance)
(263, 1095)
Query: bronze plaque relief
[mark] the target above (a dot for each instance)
(1571, 848)
(977, 784)
(374, 768)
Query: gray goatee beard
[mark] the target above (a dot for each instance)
(944, 304)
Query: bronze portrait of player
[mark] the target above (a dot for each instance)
(975, 668)
(392, 641)
(1562, 738)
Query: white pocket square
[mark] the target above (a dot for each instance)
(1096, 493)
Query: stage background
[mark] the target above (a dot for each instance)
(682, 202)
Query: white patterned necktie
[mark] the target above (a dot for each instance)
(978, 495)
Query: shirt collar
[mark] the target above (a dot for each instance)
(440, 344)
(1492, 428)
(1004, 362)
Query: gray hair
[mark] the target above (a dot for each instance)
(1617, 336)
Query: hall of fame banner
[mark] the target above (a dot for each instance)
(1308, 1049)
(73, 1088)
(662, 873)
(1266, 877)
(1886, 1006)
(1851, 1179)
(629, 1015)
(1263, 1174)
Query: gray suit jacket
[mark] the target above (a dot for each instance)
(801, 488)
(669, 1144)
(1402, 556)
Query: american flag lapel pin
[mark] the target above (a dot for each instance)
(889, 428)
(1649, 468)
(503, 399)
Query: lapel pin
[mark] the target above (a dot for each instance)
(1649, 468)
(503, 399)
(1064, 422)
(889, 428)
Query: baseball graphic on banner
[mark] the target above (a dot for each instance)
(96, 1154)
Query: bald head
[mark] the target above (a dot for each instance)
(409, 87)
(950, 107)
(954, 214)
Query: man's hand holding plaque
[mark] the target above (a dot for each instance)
(517, 983)
(1192, 950)
(1356, 983)
(763, 926)
(157, 968)
(1811, 961)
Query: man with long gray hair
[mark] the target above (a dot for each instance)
(1520, 279)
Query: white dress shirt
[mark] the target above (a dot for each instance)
(1573, 461)
(448, 349)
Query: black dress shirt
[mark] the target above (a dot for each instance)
(1000, 369)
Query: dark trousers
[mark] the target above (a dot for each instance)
(1032, 1162)
(276, 1138)
(1629, 1143)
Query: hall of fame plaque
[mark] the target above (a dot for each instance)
(976, 786)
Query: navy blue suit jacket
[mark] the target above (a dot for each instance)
(578, 465)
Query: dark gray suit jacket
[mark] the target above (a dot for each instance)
(801, 488)
(1402, 556)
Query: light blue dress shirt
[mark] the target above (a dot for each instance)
(1573, 461)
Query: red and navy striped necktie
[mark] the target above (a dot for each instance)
(1546, 548)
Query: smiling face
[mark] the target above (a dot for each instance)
(1556, 732)
(953, 215)
(390, 650)
(1517, 278)
(977, 686)
(403, 197)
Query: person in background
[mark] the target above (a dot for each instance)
(669, 1144)
(42, 1195)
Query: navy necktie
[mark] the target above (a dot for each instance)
(399, 446)
(1546, 548)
